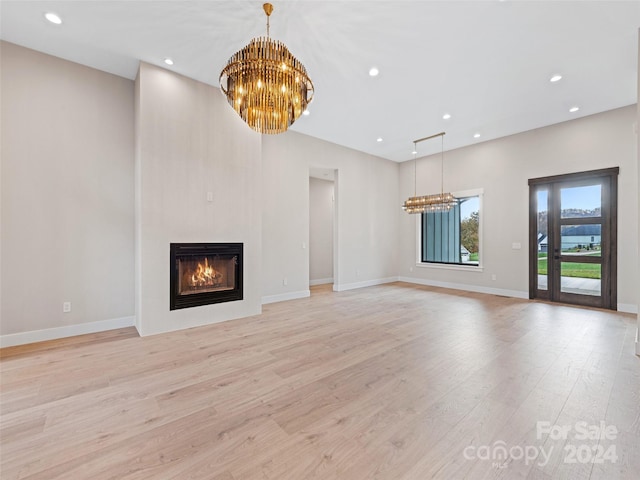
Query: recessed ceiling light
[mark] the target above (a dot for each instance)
(53, 18)
(374, 72)
(168, 61)
(379, 139)
(306, 112)
(574, 109)
(414, 152)
(477, 135)
(555, 78)
(446, 116)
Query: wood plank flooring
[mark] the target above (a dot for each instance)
(389, 382)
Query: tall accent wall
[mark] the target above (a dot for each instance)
(366, 192)
(502, 168)
(67, 198)
(198, 179)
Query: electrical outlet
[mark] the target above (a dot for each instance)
(66, 307)
(284, 281)
(493, 276)
(357, 273)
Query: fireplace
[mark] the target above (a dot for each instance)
(205, 273)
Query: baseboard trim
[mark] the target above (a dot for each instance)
(320, 281)
(627, 308)
(34, 336)
(366, 283)
(467, 287)
(283, 297)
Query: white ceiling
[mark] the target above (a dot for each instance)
(487, 63)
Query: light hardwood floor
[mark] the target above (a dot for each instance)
(389, 382)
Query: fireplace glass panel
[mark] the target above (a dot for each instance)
(212, 273)
(205, 273)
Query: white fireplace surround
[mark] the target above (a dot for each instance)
(185, 136)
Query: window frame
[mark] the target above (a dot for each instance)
(476, 192)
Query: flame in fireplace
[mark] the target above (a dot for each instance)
(205, 275)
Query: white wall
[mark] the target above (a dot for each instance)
(189, 143)
(320, 231)
(67, 184)
(366, 193)
(67, 197)
(502, 167)
(285, 221)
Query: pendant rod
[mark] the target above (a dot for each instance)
(442, 165)
(415, 170)
(430, 137)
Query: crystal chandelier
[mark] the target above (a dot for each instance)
(266, 85)
(437, 202)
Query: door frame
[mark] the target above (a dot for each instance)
(609, 221)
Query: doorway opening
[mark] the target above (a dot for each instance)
(573, 238)
(322, 231)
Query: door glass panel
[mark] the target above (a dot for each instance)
(543, 241)
(578, 202)
(572, 256)
(581, 239)
(581, 278)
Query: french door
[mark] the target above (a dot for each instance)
(573, 238)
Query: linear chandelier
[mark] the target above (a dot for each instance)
(266, 85)
(437, 202)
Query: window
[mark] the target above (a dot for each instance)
(452, 237)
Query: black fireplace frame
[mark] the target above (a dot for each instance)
(181, 250)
